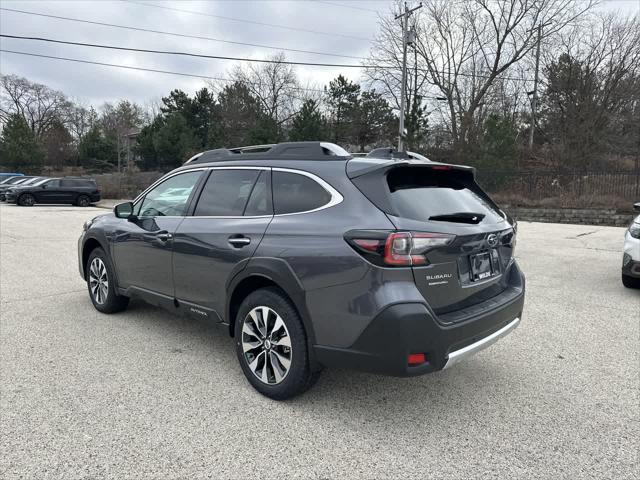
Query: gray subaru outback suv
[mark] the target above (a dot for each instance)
(312, 258)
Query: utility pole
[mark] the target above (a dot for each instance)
(534, 98)
(403, 89)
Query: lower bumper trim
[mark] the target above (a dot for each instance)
(463, 353)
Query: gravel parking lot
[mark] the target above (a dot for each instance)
(144, 394)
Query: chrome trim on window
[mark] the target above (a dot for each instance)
(336, 197)
(463, 353)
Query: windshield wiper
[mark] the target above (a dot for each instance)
(459, 217)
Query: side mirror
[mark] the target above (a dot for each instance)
(44, 186)
(636, 207)
(124, 210)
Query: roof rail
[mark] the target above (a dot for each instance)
(393, 154)
(284, 151)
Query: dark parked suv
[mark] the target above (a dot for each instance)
(315, 259)
(79, 191)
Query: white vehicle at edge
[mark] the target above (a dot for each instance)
(631, 255)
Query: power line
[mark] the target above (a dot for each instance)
(240, 59)
(153, 70)
(362, 9)
(175, 34)
(188, 54)
(242, 20)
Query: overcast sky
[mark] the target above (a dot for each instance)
(97, 84)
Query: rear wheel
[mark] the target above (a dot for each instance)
(101, 284)
(26, 200)
(630, 282)
(272, 346)
(83, 201)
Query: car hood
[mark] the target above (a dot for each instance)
(7, 187)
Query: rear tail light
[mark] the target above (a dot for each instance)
(396, 249)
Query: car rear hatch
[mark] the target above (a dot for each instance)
(455, 239)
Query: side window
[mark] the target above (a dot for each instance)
(293, 193)
(170, 197)
(260, 200)
(70, 183)
(226, 193)
(53, 184)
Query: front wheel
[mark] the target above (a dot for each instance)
(101, 284)
(630, 282)
(272, 346)
(26, 200)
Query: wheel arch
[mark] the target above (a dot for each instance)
(89, 245)
(267, 272)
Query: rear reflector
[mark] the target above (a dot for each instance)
(417, 359)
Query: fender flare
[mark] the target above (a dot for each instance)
(279, 272)
(104, 244)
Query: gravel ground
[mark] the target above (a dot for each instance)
(144, 394)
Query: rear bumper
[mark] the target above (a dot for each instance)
(404, 329)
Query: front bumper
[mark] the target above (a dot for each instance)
(404, 329)
(630, 267)
(10, 197)
(631, 256)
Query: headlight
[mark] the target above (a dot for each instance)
(634, 230)
(87, 225)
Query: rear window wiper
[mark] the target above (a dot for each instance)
(459, 217)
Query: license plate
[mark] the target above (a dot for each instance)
(480, 266)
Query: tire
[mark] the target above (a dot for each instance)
(276, 380)
(26, 200)
(83, 201)
(630, 282)
(103, 296)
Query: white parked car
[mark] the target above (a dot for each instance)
(631, 256)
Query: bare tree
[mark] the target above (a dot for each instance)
(38, 104)
(383, 70)
(119, 121)
(274, 85)
(463, 52)
(592, 91)
(80, 119)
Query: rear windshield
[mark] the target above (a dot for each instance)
(422, 194)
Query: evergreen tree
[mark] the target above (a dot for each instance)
(242, 121)
(416, 123)
(342, 98)
(174, 141)
(19, 148)
(373, 121)
(96, 151)
(308, 123)
(498, 148)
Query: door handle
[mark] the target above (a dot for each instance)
(239, 242)
(164, 236)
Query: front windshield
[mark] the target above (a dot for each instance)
(6, 180)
